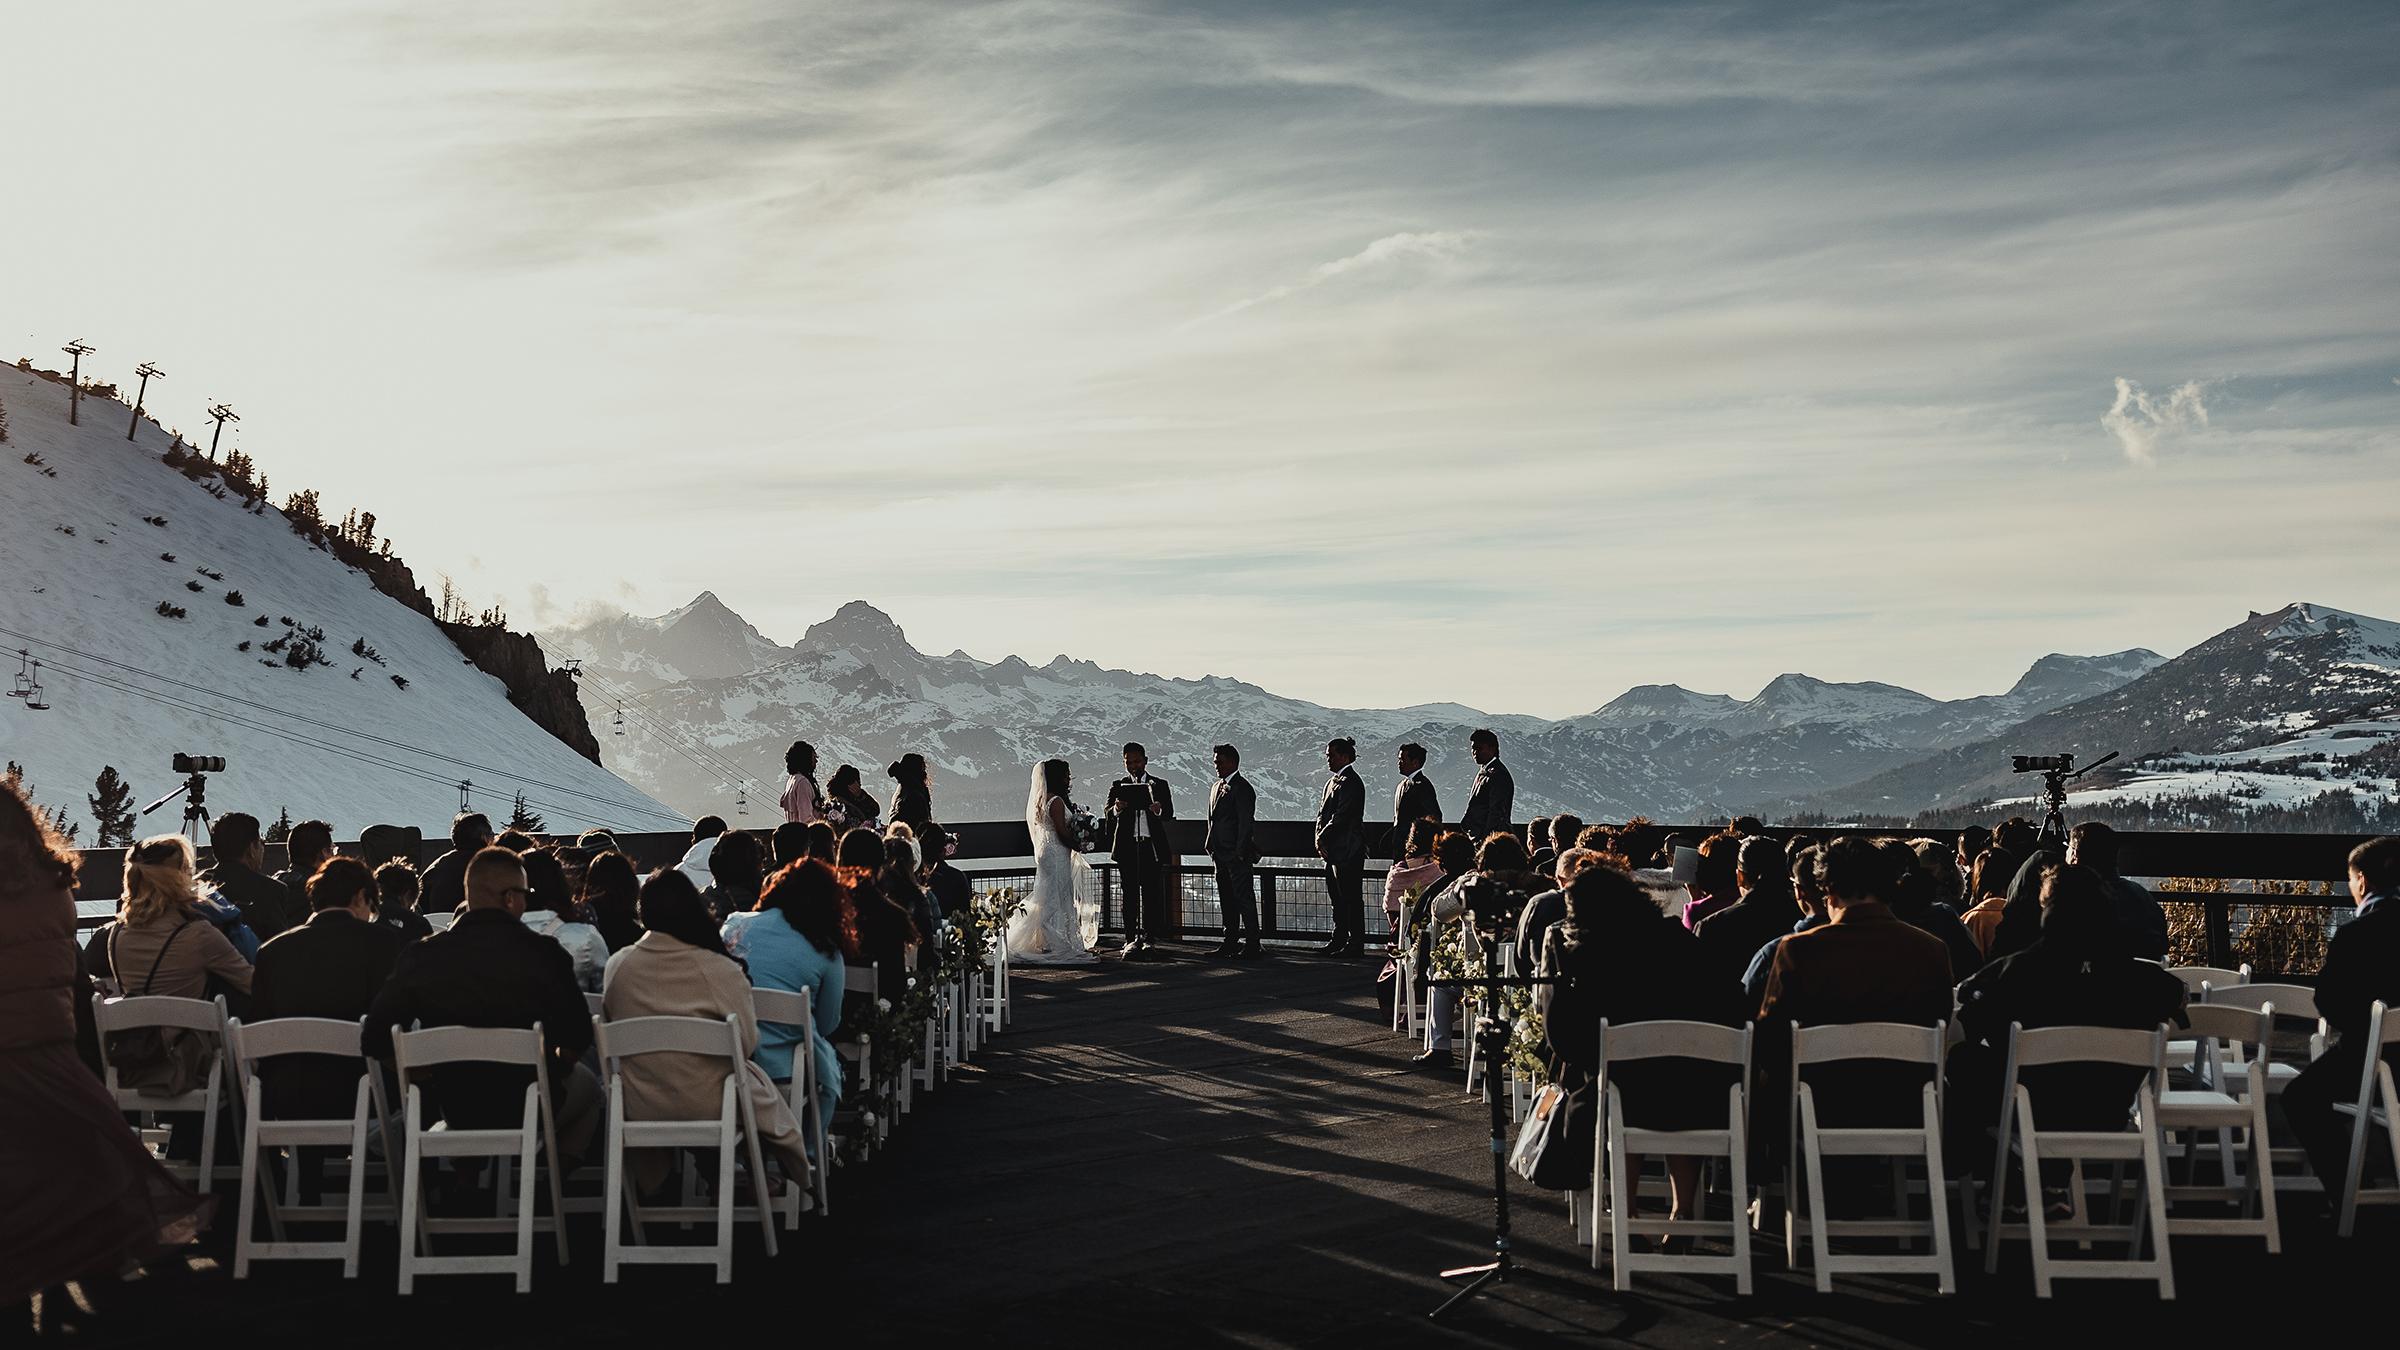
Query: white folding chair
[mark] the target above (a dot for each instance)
(2377, 1105)
(594, 1003)
(253, 1043)
(2198, 982)
(631, 1038)
(534, 1137)
(2137, 1142)
(203, 1017)
(1898, 1140)
(866, 982)
(2219, 1109)
(1408, 1014)
(799, 1010)
(1615, 1187)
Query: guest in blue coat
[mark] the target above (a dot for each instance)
(799, 938)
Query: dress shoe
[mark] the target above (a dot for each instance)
(1248, 953)
(1437, 1058)
(1224, 950)
(1333, 948)
(1135, 950)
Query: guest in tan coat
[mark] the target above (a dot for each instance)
(162, 943)
(680, 968)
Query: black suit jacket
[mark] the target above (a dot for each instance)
(1489, 804)
(1232, 820)
(486, 970)
(1412, 800)
(1160, 846)
(332, 966)
(2362, 964)
(266, 905)
(1341, 818)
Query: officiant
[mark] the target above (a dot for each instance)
(1141, 812)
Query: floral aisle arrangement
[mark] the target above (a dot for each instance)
(1453, 961)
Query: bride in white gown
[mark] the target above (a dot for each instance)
(1061, 917)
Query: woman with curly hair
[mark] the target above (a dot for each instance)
(80, 1197)
(799, 938)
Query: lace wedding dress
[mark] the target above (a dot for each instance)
(1061, 917)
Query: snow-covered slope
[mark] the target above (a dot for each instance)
(100, 533)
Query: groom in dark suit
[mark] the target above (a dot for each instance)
(1142, 818)
(1412, 800)
(1233, 846)
(1342, 843)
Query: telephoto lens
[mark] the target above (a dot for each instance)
(199, 764)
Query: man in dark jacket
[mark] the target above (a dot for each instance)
(445, 880)
(1141, 812)
(2362, 965)
(241, 851)
(1341, 840)
(490, 970)
(1730, 938)
(305, 850)
(1494, 795)
(331, 966)
(1863, 965)
(1232, 846)
(1413, 799)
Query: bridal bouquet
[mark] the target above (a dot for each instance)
(1088, 837)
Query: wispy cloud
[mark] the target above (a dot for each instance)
(2142, 423)
(1391, 252)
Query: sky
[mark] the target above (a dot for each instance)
(1508, 355)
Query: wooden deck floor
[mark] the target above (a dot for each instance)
(1199, 1153)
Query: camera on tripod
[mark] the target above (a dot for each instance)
(2042, 763)
(199, 764)
(2057, 771)
(194, 791)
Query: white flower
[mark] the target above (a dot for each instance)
(883, 1005)
(867, 1118)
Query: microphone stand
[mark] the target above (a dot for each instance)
(1492, 1040)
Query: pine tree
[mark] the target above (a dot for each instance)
(521, 817)
(112, 810)
(282, 828)
(56, 819)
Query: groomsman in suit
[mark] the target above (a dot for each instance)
(1233, 846)
(1342, 843)
(1412, 800)
(1494, 794)
(1141, 841)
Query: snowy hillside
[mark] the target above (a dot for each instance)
(2277, 712)
(166, 619)
(856, 688)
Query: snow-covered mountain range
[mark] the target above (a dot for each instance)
(678, 714)
(167, 617)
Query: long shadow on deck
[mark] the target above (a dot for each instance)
(1200, 1153)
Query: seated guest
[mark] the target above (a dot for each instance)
(160, 944)
(1563, 830)
(545, 904)
(445, 880)
(2076, 974)
(1416, 869)
(735, 872)
(680, 968)
(799, 940)
(1617, 956)
(2140, 918)
(1490, 897)
(1713, 887)
(611, 892)
(1911, 898)
(1972, 841)
(1808, 902)
(574, 863)
(823, 841)
(332, 966)
(706, 831)
(2362, 964)
(517, 841)
(396, 896)
(900, 884)
(305, 849)
(953, 895)
(788, 845)
(1745, 827)
(1864, 964)
(2021, 917)
(1537, 845)
(1730, 938)
(1546, 909)
(598, 841)
(266, 907)
(1987, 884)
(490, 970)
(886, 932)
